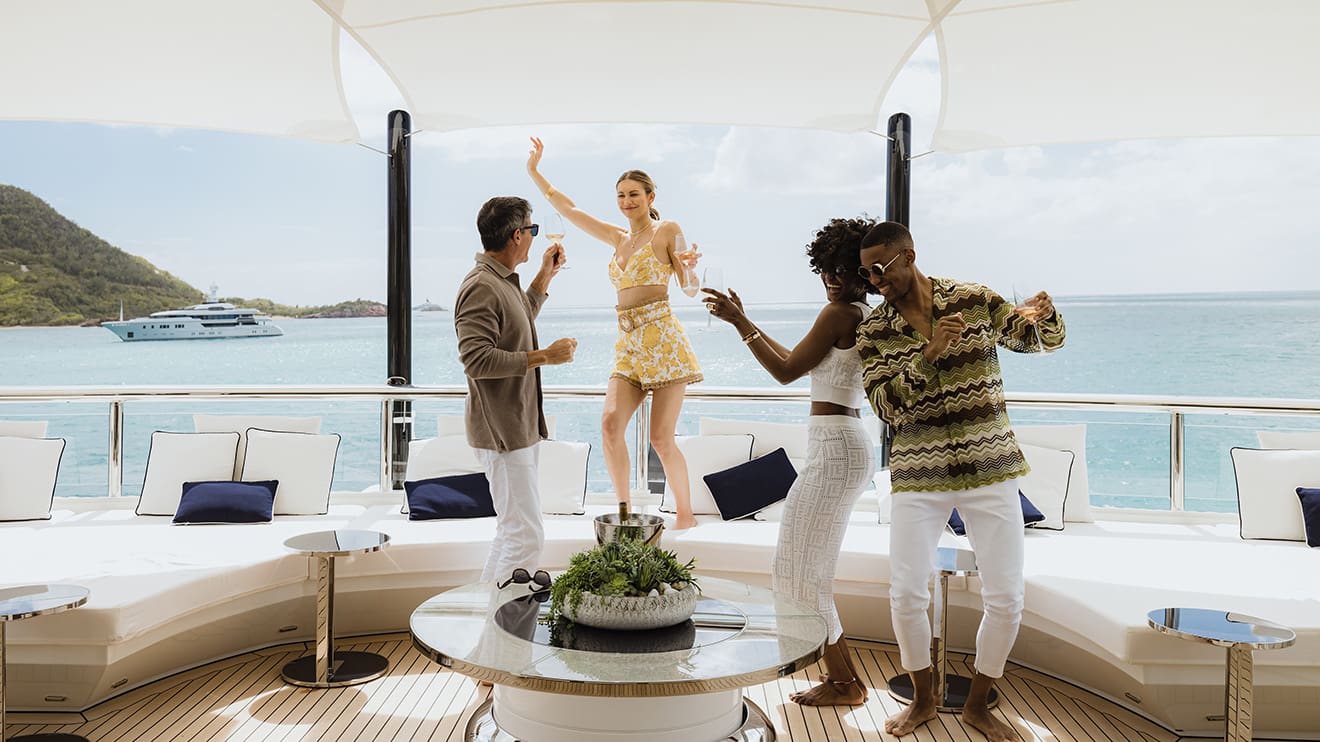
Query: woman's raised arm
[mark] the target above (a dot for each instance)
(603, 231)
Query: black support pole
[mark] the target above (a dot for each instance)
(898, 191)
(399, 302)
(898, 196)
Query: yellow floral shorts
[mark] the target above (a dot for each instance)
(653, 351)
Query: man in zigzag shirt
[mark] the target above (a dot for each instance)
(931, 371)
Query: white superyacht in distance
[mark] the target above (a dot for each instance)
(209, 320)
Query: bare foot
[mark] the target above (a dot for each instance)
(906, 721)
(828, 693)
(682, 524)
(988, 724)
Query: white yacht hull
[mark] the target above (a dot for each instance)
(187, 329)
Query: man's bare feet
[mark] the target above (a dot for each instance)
(906, 721)
(980, 719)
(832, 693)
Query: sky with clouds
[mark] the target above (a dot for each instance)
(304, 223)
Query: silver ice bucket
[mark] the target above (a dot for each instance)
(635, 527)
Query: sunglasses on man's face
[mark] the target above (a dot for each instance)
(540, 579)
(876, 269)
(536, 229)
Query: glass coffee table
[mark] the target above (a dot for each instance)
(568, 682)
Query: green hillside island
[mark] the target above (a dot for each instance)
(53, 272)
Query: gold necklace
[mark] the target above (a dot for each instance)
(632, 248)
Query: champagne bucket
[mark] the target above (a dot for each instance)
(635, 527)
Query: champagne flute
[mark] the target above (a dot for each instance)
(712, 278)
(555, 231)
(1031, 314)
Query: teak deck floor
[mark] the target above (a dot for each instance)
(243, 698)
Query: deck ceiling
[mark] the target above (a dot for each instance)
(1014, 72)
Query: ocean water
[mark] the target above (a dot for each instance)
(1241, 345)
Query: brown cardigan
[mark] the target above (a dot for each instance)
(495, 322)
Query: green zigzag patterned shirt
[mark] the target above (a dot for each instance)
(949, 420)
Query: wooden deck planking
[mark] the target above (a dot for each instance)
(244, 698)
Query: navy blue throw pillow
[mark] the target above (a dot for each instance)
(1030, 514)
(749, 488)
(459, 496)
(227, 502)
(1310, 513)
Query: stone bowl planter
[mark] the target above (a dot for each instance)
(646, 612)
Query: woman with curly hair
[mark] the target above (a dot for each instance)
(840, 454)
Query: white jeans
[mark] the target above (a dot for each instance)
(519, 532)
(993, 516)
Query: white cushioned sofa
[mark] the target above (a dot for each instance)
(167, 597)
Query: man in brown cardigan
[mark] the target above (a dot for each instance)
(495, 322)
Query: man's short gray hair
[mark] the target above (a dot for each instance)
(499, 218)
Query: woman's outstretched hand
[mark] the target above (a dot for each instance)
(534, 154)
(727, 307)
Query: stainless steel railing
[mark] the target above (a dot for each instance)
(118, 396)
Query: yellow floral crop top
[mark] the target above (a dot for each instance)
(642, 269)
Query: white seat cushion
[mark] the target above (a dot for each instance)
(1267, 482)
(23, 428)
(176, 458)
(441, 457)
(303, 464)
(28, 468)
(706, 454)
(561, 468)
(1065, 438)
(240, 423)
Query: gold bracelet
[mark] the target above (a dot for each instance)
(749, 337)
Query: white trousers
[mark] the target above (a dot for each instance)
(840, 463)
(519, 531)
(993, 516)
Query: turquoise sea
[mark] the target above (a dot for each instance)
(1215, 345)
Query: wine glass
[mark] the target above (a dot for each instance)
(687, 278)
(1031, 314)
(555, 231)
(712, 278)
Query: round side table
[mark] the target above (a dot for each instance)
(951, 562)
(1238, 634)
(328, 668)
(18, 603)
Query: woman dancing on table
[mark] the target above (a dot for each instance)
(652, 353)
(840, 454)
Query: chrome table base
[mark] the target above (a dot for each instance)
(756, 726)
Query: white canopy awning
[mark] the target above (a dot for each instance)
(255, 66)
(1093, 70)
(1015, 72)
(818, 64)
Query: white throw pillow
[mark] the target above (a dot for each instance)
(792, 437)
(1047, 486)
(28, 468)
(1307, 440)
(1065, 438)
(456, 425)
(562, 476)
(240, 423)
(23, 428)
(176, 458)
(303, 464)
(441, 457)
(1267, 482)
(706, 454)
